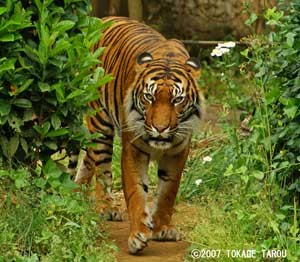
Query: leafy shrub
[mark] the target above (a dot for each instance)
(47, 77)
(275, 59)
(268, 160)
(257, 176)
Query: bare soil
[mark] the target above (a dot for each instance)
(184, 218)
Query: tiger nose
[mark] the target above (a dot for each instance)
(160, 128)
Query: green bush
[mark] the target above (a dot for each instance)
(47, 77)
(275, 58)
(267, 162)
(255, 175)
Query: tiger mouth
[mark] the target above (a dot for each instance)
(162, 143)
(161, 139)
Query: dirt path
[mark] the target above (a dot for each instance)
(184, 218)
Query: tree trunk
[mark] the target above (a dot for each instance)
(135, 8)
(114, 7)
(99, 8)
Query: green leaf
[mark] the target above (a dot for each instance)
(8, 64)
(44, 87)
(55, 121)
(61, 45)
(59, 92)
(245, 52)
(13, 145)
(273, 16)
(52, 145)
(21, 179)
(3, 10)
(43, 130)
(59, 132)
(24, 145)
(64, 26)
(43, 53)
(4, 145)
(28, 115)
(253, 17)
(229, 170)
(290, 37)
(23, 87)
(15, 122)
(40, 182)
(23, 103)
(273, 95)
(245, 178)
(67, 184)
(7, 38)
(258, 174)
(291, 111)
(4, 107)
(75, 93)
(51, 169)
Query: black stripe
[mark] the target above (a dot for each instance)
(103, 161)
(99, 141)
(133, 50)
(162, 174)
(87, 165)
(107, 173)
(106, 98)
(72, 164)
(193, 111)
(96, 126)
(99, 152)
(145, 187)
(104, 122)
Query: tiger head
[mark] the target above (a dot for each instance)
(165, 104)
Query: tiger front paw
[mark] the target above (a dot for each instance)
(166, 233)
(138, 241)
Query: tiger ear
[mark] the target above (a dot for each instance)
(144, 58)
(194, 66)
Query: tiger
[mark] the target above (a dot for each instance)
(154, 104)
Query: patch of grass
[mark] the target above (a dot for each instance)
(42, 223)
(236, 209)
(218, 229)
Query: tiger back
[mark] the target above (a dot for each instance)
(154, 105)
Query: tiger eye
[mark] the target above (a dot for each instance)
(149, 97)
(178, 100)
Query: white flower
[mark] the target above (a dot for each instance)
(227, 44)
(216, 52)
(219, 51)
(222, 48)
(206, 159)
(198, 182)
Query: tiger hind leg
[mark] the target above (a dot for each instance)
(97, 162)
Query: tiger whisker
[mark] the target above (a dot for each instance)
(136, 137)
